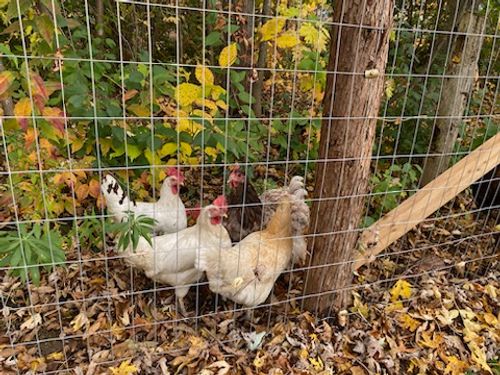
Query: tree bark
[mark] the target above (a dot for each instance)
(350, 105)
(100, 17)
(461, 70)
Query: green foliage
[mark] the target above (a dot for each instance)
(29, 249)
(90, 232)
(389, 187)
(131, 229)
(172, 102)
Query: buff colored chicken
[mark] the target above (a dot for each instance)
(247, 272)
(248, 212)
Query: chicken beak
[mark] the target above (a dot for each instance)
(225, 216)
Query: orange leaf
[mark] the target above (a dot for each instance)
(130, 94)
(39, 91)
(29, 137)
(22, 110)
(6, 79)
(94, 188)
(82, 192)
(56, 117)
(49, 148)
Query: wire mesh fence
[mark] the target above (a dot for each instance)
(161, 108)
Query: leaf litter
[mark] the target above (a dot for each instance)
(429, 311)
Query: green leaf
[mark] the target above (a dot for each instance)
(35, 275)
(45, 27)
(133, 152)
(213, 39)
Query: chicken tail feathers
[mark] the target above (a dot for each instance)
(296, 183)
(116, 200)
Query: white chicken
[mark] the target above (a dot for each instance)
(171, 257)
(169, 211)
(247, 272)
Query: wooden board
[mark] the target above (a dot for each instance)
(427, 200)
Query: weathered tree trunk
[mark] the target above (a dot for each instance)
(462, 68)
(100, 17)
(351, 105)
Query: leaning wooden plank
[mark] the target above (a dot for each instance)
(427, 200)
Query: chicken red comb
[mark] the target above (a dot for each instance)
(176, 172)
(220, 201)
(194, 212)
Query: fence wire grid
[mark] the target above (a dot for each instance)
(130, 88)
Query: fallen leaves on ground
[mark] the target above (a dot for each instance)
(432, 311)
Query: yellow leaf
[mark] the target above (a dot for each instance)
(204, 75)
(431, 342)
(139, 110)
(191, 160)
(316, 38)
(221, 104)
(77, 144)
(125, 368)
(187, 93)
(359, 306)
(317, 363)
(271, 28)
(490, 319)
(189, 126)
(479, 356)
(287, 40)
(208, 104)
(390, 86)
(152, 157)
(408, 322)
(79, 321)
(402, 289)
(36, 364)
(168, 149)
(446, 317)
(228, 56)
(456, 59)
(304, 354)
(217, 91)
(307, 82)
(491, 290)
(55, 356)
(259, 361)
(105, 145)
(22, 110)
(203, 115)
(211, 151)
(471, 330)
(455, 366)
(186, 149)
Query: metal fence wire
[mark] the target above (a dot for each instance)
(160, 108)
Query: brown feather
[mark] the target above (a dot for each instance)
(246, 217)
